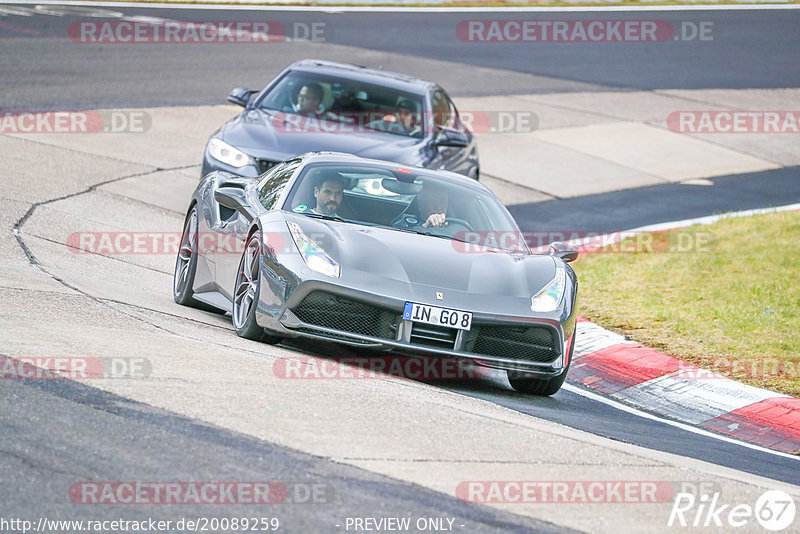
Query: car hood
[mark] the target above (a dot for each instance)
(259, 133)
(431, 261)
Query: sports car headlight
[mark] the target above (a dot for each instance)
(313, 255)
(222, 151)
(549, 297)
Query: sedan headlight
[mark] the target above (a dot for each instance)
(549, 297)
(222, 151)
(313, 255)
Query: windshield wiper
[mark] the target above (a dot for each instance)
(326, 217)
(418, 232)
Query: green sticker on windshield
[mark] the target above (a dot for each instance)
(301, 207)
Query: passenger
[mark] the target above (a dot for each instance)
(328, 194)
(309, 99)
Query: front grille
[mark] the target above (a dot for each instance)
(525, 343)
(433, 335)
(330, 310)
(265, 164)
(329, 335)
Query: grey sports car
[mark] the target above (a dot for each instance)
(369, 253)
(320, 105)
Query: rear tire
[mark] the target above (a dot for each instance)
(245, 294)
(534, 384)
(186, 265)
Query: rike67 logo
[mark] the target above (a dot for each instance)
(774, 511)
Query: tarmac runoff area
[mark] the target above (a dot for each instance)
(79, 305)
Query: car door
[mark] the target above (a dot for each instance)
(447, 122)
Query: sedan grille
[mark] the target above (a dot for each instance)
(525, 343)
(337, 312)
(265, 164)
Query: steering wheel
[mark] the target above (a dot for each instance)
(460, 222)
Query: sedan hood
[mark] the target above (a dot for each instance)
(264, 134)
(431, 261)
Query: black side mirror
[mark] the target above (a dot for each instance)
(563, 251)
(240, 96)
(451, 138)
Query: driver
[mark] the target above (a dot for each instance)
(433, 205)
(407, 117)
(431, 208)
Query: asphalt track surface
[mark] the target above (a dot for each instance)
(750, 49)
(117, 437)
(92, 435)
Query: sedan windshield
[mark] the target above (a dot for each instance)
(405, 200)
(310, 103)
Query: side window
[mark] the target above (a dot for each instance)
(445, 114)
(274, 185)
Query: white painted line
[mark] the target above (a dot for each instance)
(693, 400)
(592, 242)
(332, 8)
(591, 338)
(683, 426)
(710, 219)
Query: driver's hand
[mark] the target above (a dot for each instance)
(435, 219)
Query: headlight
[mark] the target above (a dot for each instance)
(315, 257)
(549, 297)
(222, 151)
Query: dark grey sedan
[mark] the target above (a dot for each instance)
(374, 254)
(318, 105)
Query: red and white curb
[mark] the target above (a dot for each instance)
(640, 376)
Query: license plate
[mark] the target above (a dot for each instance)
(422, 313)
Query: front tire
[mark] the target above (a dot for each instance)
(245, 294)
(533, 384)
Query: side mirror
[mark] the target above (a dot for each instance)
(240, 96)
(563, 251)
(233, 198)
(451, 138)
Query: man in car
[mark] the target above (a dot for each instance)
(309, 98)
(328, 194)
(407, 118)
(433, 205)
(431, 209)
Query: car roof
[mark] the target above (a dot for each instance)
(394, 80)
(346, 158)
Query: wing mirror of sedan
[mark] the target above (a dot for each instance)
(233, 198)
(563, 251)
(451, 138)
(240, 96)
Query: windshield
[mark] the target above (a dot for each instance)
(404, 200)
(310, 103)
